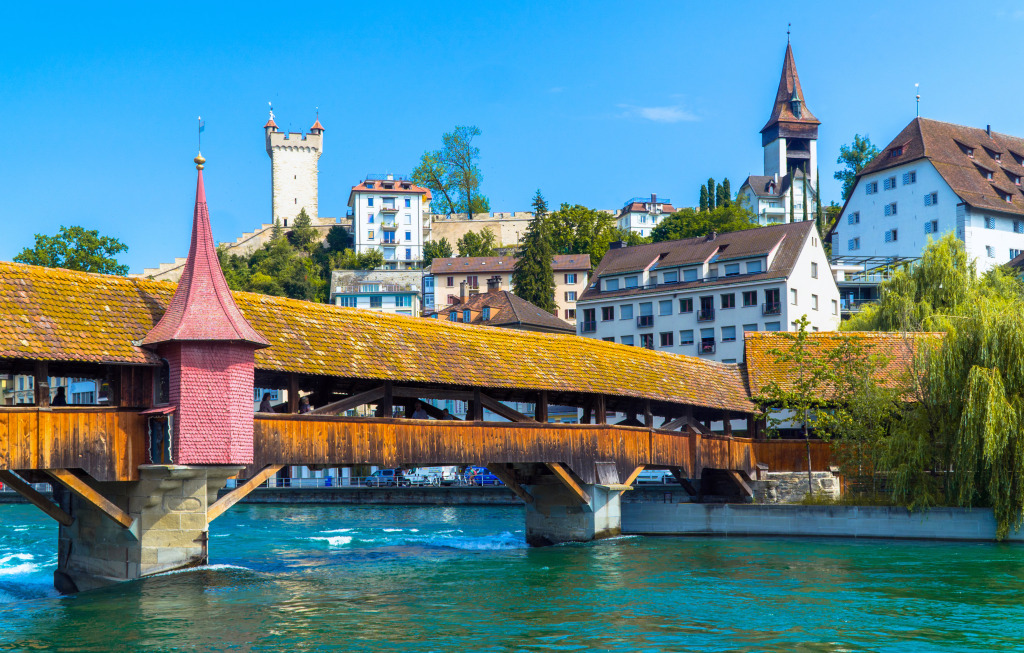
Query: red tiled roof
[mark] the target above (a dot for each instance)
(484, 264)
(317, 125)
(507, 310)
(942, 143)
(202, 307)
(270, 123)
(399, 187)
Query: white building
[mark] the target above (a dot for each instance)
(390, 214)
(698, 296)
(642, 214)
(386, 291)
(935, 178)
(790, 142)
(293, 170)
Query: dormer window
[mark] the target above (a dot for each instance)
(369, 185)
(796, 105)
(486, 313)
(896, 151)
(388, 186)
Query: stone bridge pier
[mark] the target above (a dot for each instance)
(124, 530)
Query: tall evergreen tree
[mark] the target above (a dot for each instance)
(532, 278)
(711, 194)
(703, 197)
(818, 215)
(727, 192)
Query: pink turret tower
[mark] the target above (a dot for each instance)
(210, 350)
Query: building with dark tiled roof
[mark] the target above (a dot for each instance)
(443, 280)
(698, 296)
(790, 142)
(500, 308)
(932, 179)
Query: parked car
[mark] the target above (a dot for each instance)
(653, 476)
(417, 477)
(480, 476)
(387, 478)
(442, 475)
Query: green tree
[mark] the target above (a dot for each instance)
(436, 249)
(818, 217)
(477, 243)
(853, 158)
(532, 278)
(452, 174)
(806, 208)
(712, 196)
(722, 193)
(577, 229)
(433, 173)
(303, 235)
(349, 260)
(630, 238)
(690, 223)
(338, 238)
(76, 248)
(792, 200)
(726, 192)
(703, 198)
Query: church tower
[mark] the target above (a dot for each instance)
(293, 170)
(790, 139)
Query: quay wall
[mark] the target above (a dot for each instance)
(414, 496)
(759, 520)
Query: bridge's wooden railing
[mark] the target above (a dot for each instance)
(335, 441)
(108, 443)
(791, 455)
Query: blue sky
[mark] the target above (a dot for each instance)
(593, 102)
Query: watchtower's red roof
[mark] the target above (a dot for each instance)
(789, 89)
(202, 307)
(317, 125)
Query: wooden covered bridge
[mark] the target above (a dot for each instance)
(136, 478)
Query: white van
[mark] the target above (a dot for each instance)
(446, 475)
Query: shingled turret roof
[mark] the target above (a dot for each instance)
(202, 307)
(789, 90)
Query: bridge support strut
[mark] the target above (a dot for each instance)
(567, 510)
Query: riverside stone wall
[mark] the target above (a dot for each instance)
(791, 487)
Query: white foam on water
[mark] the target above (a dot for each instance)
(338, 530)
(337, 540)
(393, 530)
(18, 570)
(414, 530)
(504, 542)
(202, 568)
(16, 556)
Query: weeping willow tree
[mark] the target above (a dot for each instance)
(960, 440)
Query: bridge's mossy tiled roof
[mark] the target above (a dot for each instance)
(62, 315)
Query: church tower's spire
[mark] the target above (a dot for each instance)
(790, 106)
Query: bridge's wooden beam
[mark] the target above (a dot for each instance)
(368, 397)
(685, 420)
(600, 410)
(476, 407)
(683, 481)
(563, 475)
(386, 407)
(499, 408)
(737, 478)
(88, 494)
(437, 413)
(36, 499)
(540, 413)
(407, 392)
(42, 384)
(221, 505)
(648, 415)
(632, 477)
(507, 476)
(293, 393)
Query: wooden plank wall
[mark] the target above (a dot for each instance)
(107, 443)
(791, 455)
(339, 441)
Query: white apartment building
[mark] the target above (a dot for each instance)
(698, 296)
(790, 142)
(932, 179)
(390, 214)
(642, 214)
(386, 291)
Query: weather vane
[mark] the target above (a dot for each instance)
(917, 90)
(789, 26)
(202, 126)
(271, 105)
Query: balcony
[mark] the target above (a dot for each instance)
(389, 241)
(771, 308)
(645, 321)
(389, 225)
(388, 209)
(707, 347)
(705, 315)
(588, 327)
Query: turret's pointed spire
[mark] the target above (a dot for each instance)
(790, 105)
(202, 307)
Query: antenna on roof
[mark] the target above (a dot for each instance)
(917, 89)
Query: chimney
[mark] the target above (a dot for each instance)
(711, 236)
(654, 198)
(493, 284)
(618, 244)
(463, 292)
(391, 177)
(988, 130)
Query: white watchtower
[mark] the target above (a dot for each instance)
(293, 166)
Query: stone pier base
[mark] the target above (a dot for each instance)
(557, 515)
(168, 505)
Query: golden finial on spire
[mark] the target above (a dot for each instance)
(199, 161)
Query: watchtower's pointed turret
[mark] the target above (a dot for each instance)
(202, 308)
(790, 105)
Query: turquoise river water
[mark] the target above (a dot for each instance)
(369, 578)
